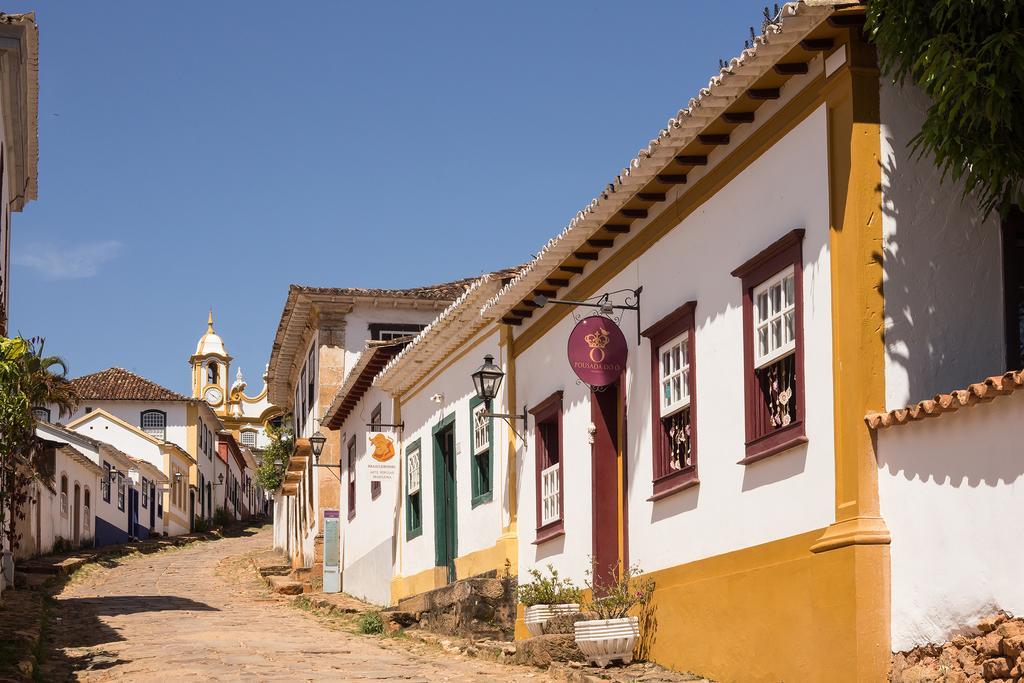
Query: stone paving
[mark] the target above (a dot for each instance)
(201, 613)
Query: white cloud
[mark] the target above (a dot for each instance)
(67, 262)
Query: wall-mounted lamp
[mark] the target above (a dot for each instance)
(316, 444)
(487, 380)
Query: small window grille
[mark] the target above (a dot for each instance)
(154, 423)
(41, 414)
(249, 439)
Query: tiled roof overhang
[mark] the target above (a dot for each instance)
(305, 305)
(19, 44)
(359, 379)
(981, 392)
(726, 102)
(456, 325)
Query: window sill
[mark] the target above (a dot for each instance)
(775, 443)
(481, 499)
(674, 483)
(550, 532)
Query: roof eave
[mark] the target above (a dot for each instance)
(797, 20)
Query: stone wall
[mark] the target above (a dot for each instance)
(478, 607)
(994, 652)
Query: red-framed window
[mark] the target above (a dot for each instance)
(351, 478)
(773, 354)
(674, 401)
(548, 470)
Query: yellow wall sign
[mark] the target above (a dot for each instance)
(383, 463)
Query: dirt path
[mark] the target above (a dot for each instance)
(201, 613)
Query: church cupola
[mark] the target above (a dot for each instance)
(210, 365)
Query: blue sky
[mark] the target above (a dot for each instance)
(209, 154)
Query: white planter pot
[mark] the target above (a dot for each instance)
(603, 640)
(537, 616)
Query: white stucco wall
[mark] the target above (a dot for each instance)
(45, 522)
(943, 268)
(952, 495)
(131, 412)
(478, 527)
(282, 510)
(357, 325)
(734, 506)
(367, 540)
(104, 510)
(102, 428)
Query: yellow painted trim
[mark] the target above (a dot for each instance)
(509, 341)
(798, 614)
(488, 559)
(855, 243)
(485, 334)
(429, 579)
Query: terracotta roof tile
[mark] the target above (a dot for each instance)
(981, 392)
(118, 384)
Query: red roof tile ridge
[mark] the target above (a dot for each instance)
(116, 383)
(979, 392)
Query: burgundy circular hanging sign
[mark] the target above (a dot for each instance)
(597, 351)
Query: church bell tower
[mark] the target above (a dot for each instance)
(210, 366)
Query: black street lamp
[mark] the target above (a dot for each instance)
(487, 379)
(316, 445)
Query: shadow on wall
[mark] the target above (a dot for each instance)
(943, 274)
(977, 445)
(775, 469)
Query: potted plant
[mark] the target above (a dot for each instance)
(547, 596)
(613, 634)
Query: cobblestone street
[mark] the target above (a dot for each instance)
(202, 613)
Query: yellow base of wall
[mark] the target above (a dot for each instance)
(466, 566)
(773, 612)
(427, 580)
(490, 559)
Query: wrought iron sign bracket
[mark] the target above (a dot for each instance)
(378, 425)
(331, 466)
(603, 303)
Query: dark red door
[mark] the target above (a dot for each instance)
(605, 414)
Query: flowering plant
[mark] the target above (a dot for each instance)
(548, 590)
(616, 600)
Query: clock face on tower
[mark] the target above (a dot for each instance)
(213, 396)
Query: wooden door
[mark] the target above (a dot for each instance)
(445, 514)
(607, 484)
